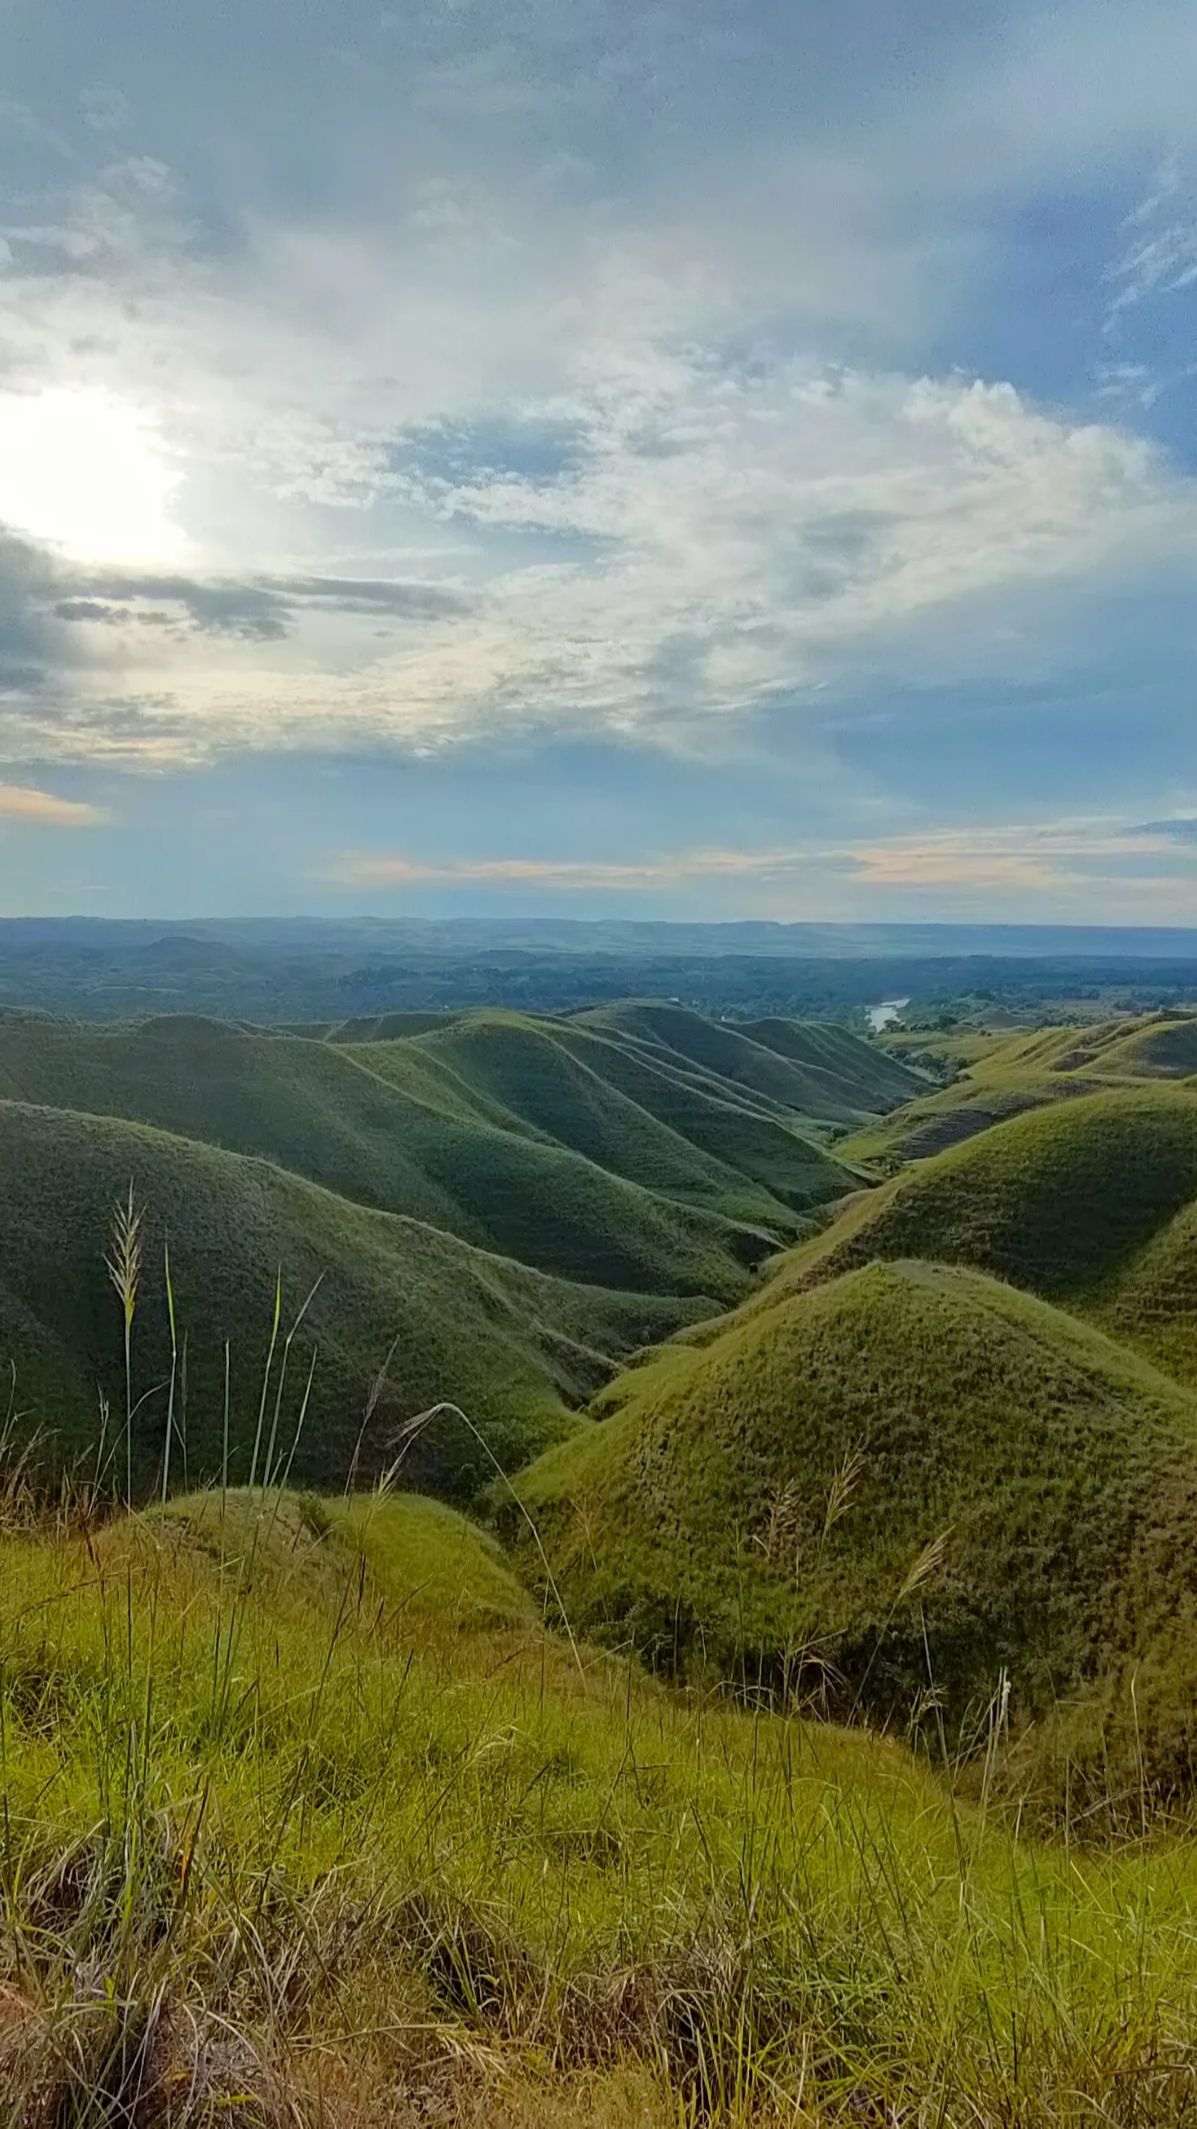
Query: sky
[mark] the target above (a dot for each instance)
(708, 459)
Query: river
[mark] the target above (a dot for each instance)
(884, 1015)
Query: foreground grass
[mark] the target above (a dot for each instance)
(307, 1818)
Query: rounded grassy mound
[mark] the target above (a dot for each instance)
(1158, 1046)
(909, 1489)
(1060, 1200)
(420, 1558)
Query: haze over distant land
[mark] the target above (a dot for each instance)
(679, 462)
(453, 935)
(298, 969)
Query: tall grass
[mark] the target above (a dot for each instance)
(283, 1837)
(308, 1819)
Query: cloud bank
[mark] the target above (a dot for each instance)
(680, 392)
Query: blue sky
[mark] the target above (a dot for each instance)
(709, 459)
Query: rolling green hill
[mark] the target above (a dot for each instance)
(422, 1557)
(533, 1079)
(1001, 1076)
(1162, 1046)
(959, 1113)
(1092, 1203)
(911, 1481)
(782, 1154)
(328, 1804)
(411, 1142)
(629, 1111)
(521, 1203)
(350, 1839)
(825, 1073)
(514, 1347)
(1057, 1200)
(837, 1065)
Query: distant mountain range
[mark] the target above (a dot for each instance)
(299, 968)
(455, 937)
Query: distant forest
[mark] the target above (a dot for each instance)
(305, 969)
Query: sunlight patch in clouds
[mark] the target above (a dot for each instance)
(87, 471)
(730, 536)
(793, 439)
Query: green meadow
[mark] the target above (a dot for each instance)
(543, 1582)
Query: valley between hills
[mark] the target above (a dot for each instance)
(605, 1566)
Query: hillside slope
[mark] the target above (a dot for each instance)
(912, 1477)
(1005, 1076)
(521, 1203)
(1091, 1202)
(514, 1347)
(541, 1081)
(410, 1143)
(575, 1078)
(1161, 1046)
(826, 1073)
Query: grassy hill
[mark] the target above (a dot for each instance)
(513, 1346)
(686, 1113)
(897, 1491)
(408, 1143)
(961, 1111)
(328, 1810)
(1057, 1200)
(309, 1821)
(423, 1559)
(836, 1064)
(1091, 1202)
(826, 1073)
(1164, 1046)
(1005, 1075)
(521, 1135)
(534, 1079)
(519, 1203)
(783, 1154)
(591, 1082)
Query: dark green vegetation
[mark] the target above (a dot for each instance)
(515, 1347)
(410, 1142)
(910, 1487)
(505, 1206)
(302, 970)
(748, 1138)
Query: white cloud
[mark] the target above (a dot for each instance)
(717, 534)
(1030, 857)
(752, 531)
(383, 869)
(1036, 857)
(733, 518)
(1159, 252)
